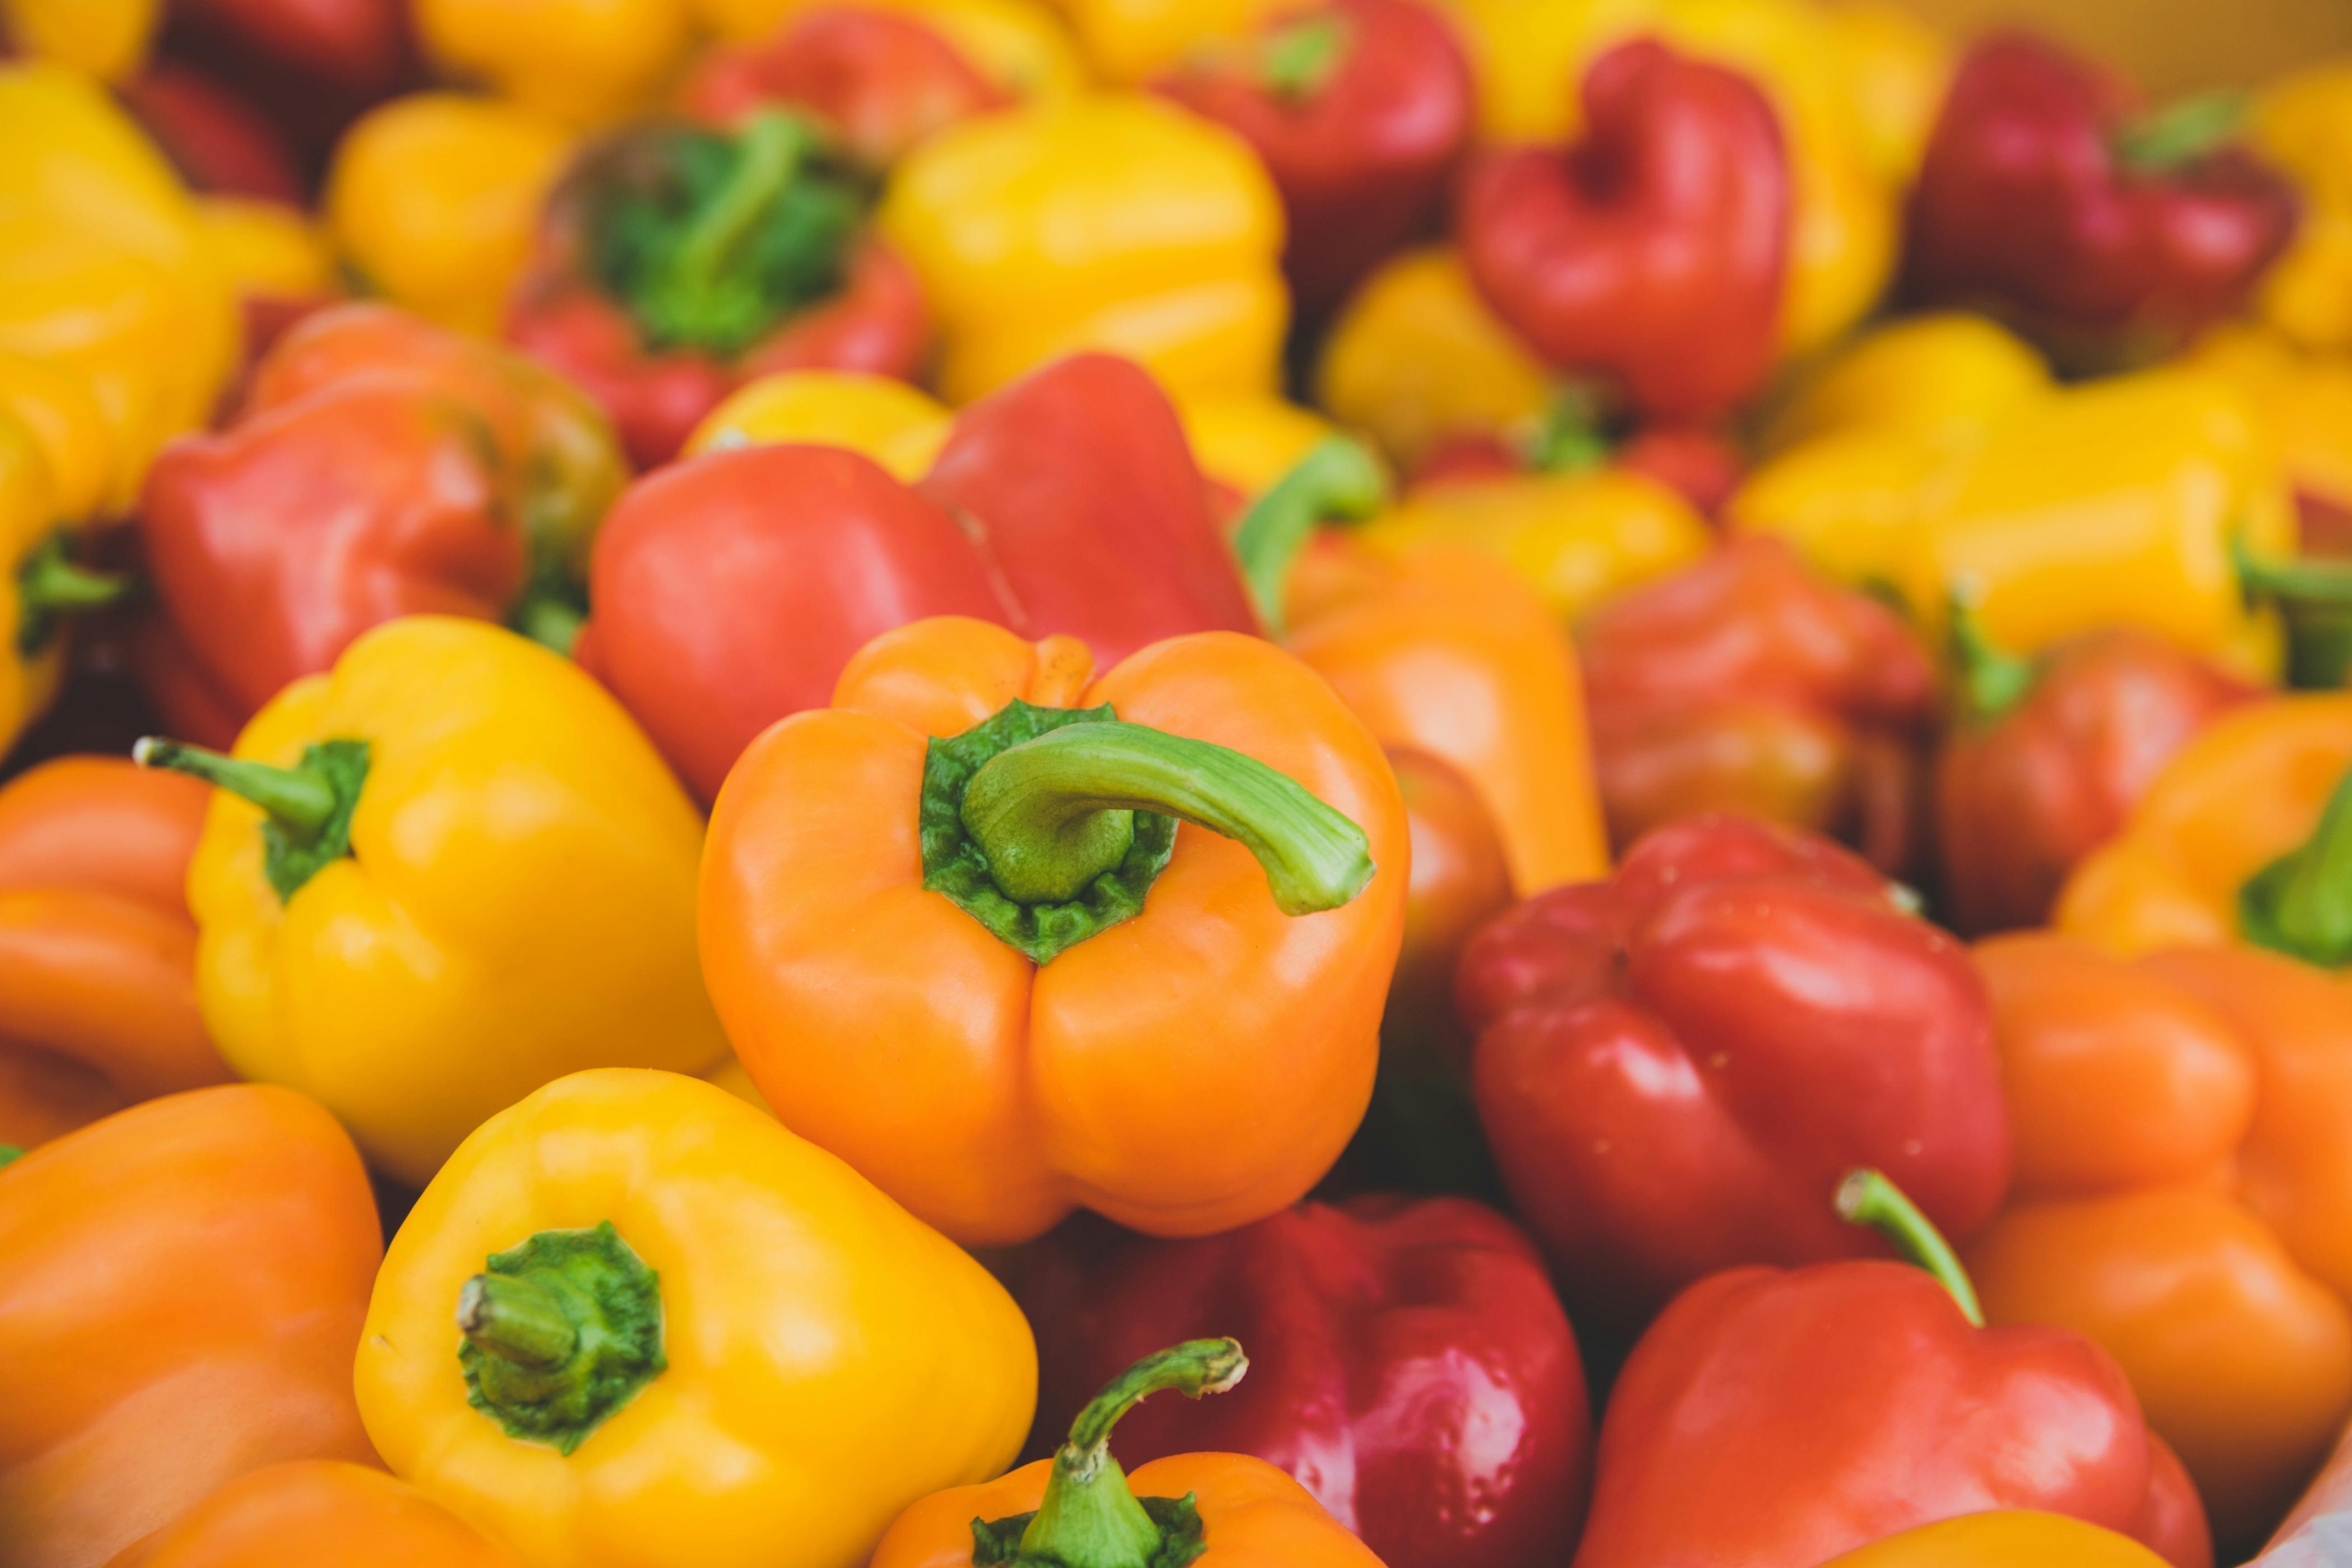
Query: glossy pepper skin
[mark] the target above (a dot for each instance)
(131, 1396)
(1749, 682)
(1653, 252)
(1018, 1089)
(816, 1360)
(2003, 1538)
(1415, 1369)
(2049, 757)
(1360, 109)
(316, 1511)
(381, 467)
(98, 951)
(1675, 1065)
(2104, 237)
(517, 855)
(2180, 1196)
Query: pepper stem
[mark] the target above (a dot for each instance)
(9, 1155)
(2315, 598)
(50, 586)
(1338, 478)
(516, 1318)
(1867, 1198)
(1569, 440)
(299, 800)
(2301, 904)
(1296, 61)
(2181, 133)
(769, 150)
(550, 620)
(559, 1332)
(1992, 680)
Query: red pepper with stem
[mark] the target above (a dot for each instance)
(1360, 110)
(1651, 252)
(676, 262)
(1776, 1419)
(1415, 1369)
(2108, 236)
(1673, 1065)
(1694, 461)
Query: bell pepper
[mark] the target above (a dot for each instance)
(434, 197)
(1244, 441)
(1414, 1371)
(686, 1301)
(278, 260)
(326, 55)
(1943, 373)
(102, 268)
(2049, 757)
(1043, 1019)
(218, 143)
(1109, 221)
(581, 62)
(1360, 110)
(2004, 1538)
(675, 263)
(42, 587)
(381, 467)
(97, 952)
(438, 876)
(1129, 42)
(1081, 1509)
(2304, 402)
(2108, 237)
(902, 428)
(1654, 252)
(1022, 48)
(1694, 461)
(1673, 1065)
(2302, 125)
(1896, 68)
(2180, 1196)
(316, 1511)
(1746, 682)
(105, 39)
(1776, 1418)
(2238, 837)
(132, 1392)
(1066, 502)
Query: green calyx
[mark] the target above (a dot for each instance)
(561, 1332)
(1089, 1517)
(1989, 681)
(2180, 133)
(308, 807)
(51, 587)
(9, 1155)
(1571, 438)
(2314, 599)
(550, 613)
(2301, 904)
(1338, 478)
(710, 239)
(1048, 825)
(1867, 1198)
(1298, 61)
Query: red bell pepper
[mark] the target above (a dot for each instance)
(218, 143)
(1695, 462)
(2105, 236)
(1673, 1065)
(2049, 757)
(1360, 110)
(1411, 1367)
(381, 466)
(1777, 1419)
(676, 262)
(880, 79)
(1748, 682)
(731, 590)
(348, 48)
(1655, 250)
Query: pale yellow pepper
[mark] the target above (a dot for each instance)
(2302, 124)
(897, 426)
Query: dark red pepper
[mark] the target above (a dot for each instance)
(1673, 1065)
(1360, 110)
(1410, 1365)
(218, 143)
(1694, 462)
(348, 48)
(1654, 251)
(2106, 237)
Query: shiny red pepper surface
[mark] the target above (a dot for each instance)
(1410, 1365)
(1675, 1064)
(1360, 109)
(1653, 250)
(2105, 236)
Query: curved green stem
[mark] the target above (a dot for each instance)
(1569, 440)
(2181, 133)
(559, 1332)
(516, 1318)
(1296, 61)
(50, 586)
(1867, 1198)
(2301, 904)
(768, 152)
(1991, 679)
(2315, 598)
(1339, 477)
(307, 808)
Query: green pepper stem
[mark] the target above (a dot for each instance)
(550, 621)
(1569, 439)
(1867, 1198)
(516, 1320)
(1296, 61)
(2301, 904)
(50, 581)
(1339, 477)
(771, 148)
(2315, 598)
(9, 1155)
(299, 800)
(2181, 133)
(1050, 814)
(1992, 680)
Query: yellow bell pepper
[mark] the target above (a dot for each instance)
(1929, 374)
(2120, 503)
(1416, 357)
(467, 873)
(1022, 46)
(1111, 221)
(103, 269)
(266, 248)
(897, 426)
(53, 474)
(2007, 1539)
(61, 412)
(1248, 440)
(1896, 67)
(2304, 400)
(2302, 124)
(697, 1339)
(434, 200)
(1530, 56)
(582, 62)
(104, 38)
(1129, 42)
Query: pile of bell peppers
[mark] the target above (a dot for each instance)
(1123, 784)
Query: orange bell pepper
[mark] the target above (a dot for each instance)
(2003, 1538)
(98, 987)
(988, 1021)
(316, 1511)
(1079, 1509)
(2183, 1195)
(2242, 835)
(181, 1292)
